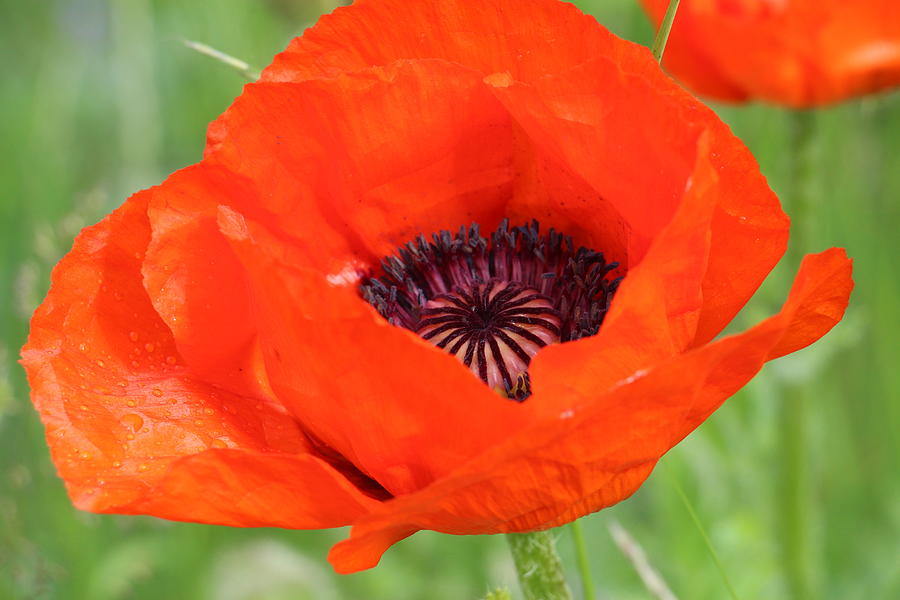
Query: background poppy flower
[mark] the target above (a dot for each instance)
(205, 354)
(793, 52)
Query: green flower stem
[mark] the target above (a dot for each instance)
(584, 568)
(794, 495)
(793, 527)
(538, 566)
(662, 35)
(798, 199)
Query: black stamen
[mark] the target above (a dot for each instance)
(514, 293)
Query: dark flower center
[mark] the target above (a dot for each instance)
(493, 328)
(494, 303)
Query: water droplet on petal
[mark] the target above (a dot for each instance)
(143, 467)
(149, 347)
(101, 364)
(117, 465)
(133, 422)
(209, 411)
(217, 443)
(171, 360)
(130, 403)
(157, 392)
(133, 335)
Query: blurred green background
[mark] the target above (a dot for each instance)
(100, 98)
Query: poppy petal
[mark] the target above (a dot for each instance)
(126, 419)
(400, 409)
(656, 309)
(600, 453)
(799, 53)
(246, 488)
(578, 116)
(357, 165)
(195, 282)
(585, 117)
(695, 68)
(522, 38)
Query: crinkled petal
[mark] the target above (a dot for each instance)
(527, 39)
(596, 455)
(797, 52)
(355, 166)
(656, 308)
(585, 117)
(132, 429)
(402, 410)
(247, 488)
(194, 281)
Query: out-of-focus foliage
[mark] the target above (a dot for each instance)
(100, 98)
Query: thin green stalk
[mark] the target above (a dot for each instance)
(662, 35)
(235, 63)
(794, 497)
(538, 566)
(792, 524)
(712, 551)
(587, 582)
(653, 581)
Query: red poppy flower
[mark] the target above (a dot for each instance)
(226, 348)
(799, 53)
